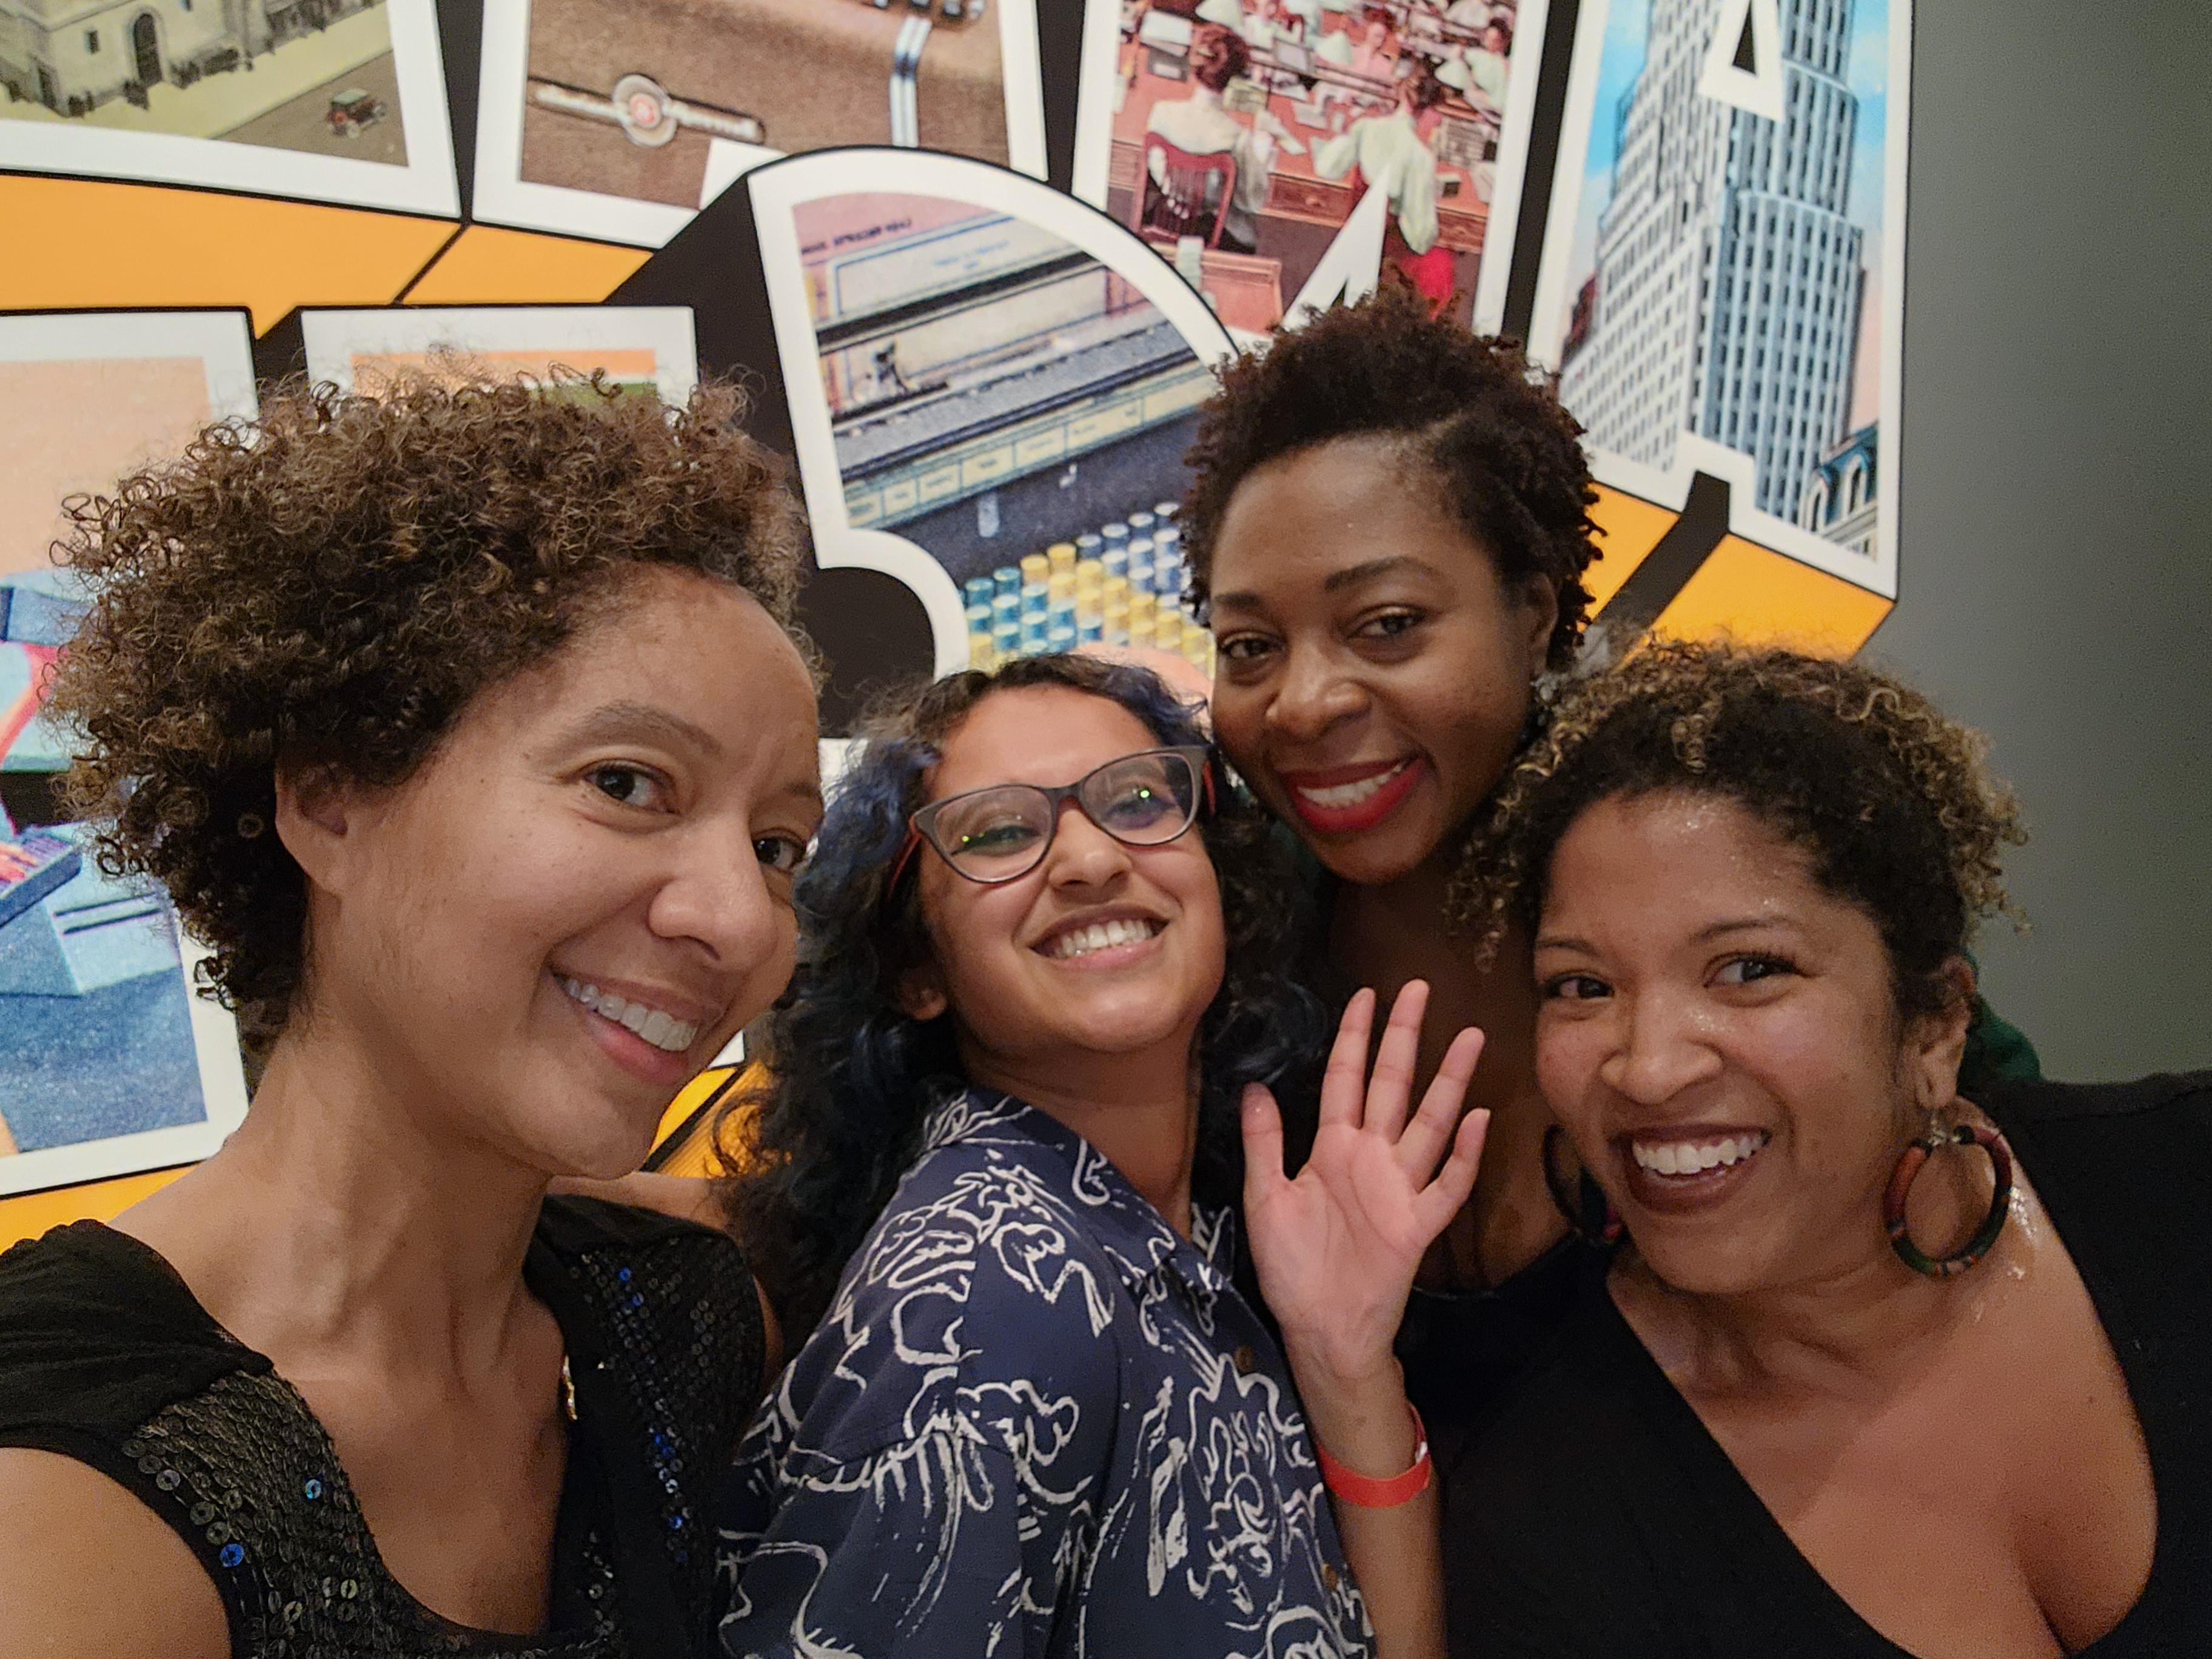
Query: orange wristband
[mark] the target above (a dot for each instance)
(1368, 1492)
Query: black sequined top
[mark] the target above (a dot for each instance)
(106, 1356)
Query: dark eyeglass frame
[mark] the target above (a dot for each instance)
(920, 823)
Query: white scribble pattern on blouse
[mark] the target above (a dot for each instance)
(1034, 1422)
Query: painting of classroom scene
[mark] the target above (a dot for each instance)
(1246, 130)
(316, 77)
(1001, 399)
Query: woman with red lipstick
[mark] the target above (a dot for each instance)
(1042, 974)
(467, 727)
(1390, 525)
(1881, 1366)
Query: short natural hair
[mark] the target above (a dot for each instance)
(1470, 411)
(1890, 802)
(328, 586)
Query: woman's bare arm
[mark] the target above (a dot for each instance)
(87, 1572)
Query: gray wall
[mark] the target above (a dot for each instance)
(2057, 566)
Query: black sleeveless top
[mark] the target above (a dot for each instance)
(106, 1356)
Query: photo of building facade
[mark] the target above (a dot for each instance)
(1726, 294)
(305, 75)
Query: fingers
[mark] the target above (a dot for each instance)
(1425, 1137)
(1344, 1086)
(1442, 1198)
(1262, 1124)
(1392, 1084)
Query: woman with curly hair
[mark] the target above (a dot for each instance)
(468, 728)
(1879, 1364)
(1041, 972)
(1389, 525)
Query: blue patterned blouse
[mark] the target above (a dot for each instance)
(1034, 1422)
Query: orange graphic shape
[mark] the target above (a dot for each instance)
(1628, 528)
(77, 244)
(1752, 593)
(488, 266)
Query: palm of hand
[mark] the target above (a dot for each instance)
(1336, 1247)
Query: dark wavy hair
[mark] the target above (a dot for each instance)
(1890, 802)
(851, 1076)
(1472, 414)
(328, 587)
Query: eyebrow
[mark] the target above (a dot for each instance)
(1716, 930)
(1334, 582)
(628, 720)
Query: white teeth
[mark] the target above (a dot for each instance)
(1687, 1158)
(1099, 936)
(662, 1029)
(1341, 795)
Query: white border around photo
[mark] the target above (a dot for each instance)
(504, 196)
(780, 190)
(425, 185)
(333, 337)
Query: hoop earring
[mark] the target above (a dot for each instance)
(1587, 1211)
(1901, 1187)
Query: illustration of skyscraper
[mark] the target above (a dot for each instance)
(1729, 281)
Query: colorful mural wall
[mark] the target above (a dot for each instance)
(979, 258)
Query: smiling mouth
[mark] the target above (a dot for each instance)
(1074, 942)
(1692, 1159)
(647, 1023)
(1344, 804)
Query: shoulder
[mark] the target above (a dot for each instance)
(97, 1333)
(88, 1570)
(990, 1226)
(2168, 1096)
(977, 1296)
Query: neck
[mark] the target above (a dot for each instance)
(1384, 935)
(1853, 1324)
(345, 1221)
(1139, 1110)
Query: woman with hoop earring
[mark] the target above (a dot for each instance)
(1870, 1369)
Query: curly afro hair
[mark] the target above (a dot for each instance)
(1890, 800)
(328, 586)
(853, 1076)
(1470, 410)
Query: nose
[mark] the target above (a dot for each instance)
(1314, 694)
(716, 895)
(1083, 855)
(1660, 1051)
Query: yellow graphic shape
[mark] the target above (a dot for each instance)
(488, 266)
(1628, 528)
(31, 1213)
(77, 244)
(1754, 594)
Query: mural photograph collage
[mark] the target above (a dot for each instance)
(979, 262)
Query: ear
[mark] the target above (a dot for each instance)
(920, 994)
(316, 820)
(1539, 599)
(1935, 1043)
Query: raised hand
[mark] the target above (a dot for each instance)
(1337, 1248)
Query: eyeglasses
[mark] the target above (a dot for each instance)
(1002, 833)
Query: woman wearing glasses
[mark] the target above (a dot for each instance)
(1042, 970)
